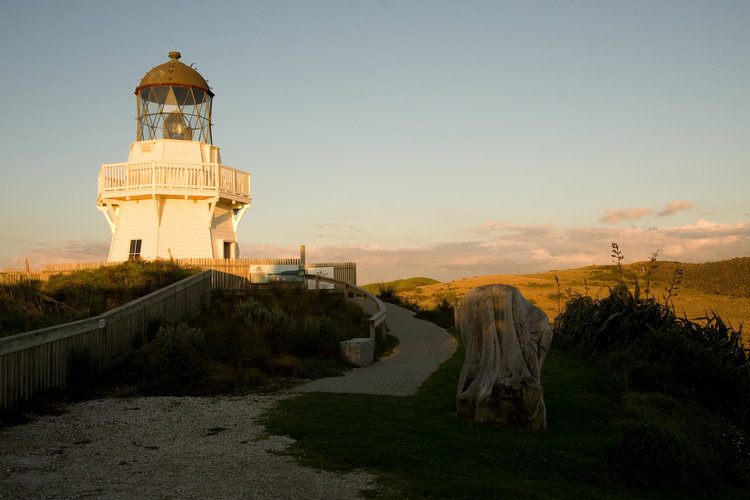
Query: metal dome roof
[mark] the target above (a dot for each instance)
(174, 73)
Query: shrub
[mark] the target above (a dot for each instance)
(387, 292)
(699, 370)
(441, 314)
(177, 356)
(318, 336)
(616, 320)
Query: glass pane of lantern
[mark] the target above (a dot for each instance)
(158, 94)
(182, 95)
(171, 99)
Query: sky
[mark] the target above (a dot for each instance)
(415, 138)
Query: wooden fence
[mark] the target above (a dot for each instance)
(228, 273)
(342, 271)
(33, 361)
(11, 277)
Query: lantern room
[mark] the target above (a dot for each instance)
(173, 197)
(174, 102)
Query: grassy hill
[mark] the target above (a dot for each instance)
(402, 285)
(722, 287)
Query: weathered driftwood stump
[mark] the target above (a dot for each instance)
(506, 340)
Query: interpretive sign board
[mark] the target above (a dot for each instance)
(274, 273)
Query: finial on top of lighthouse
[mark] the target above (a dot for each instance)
(174, 102)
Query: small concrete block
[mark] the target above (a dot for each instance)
(359, 352)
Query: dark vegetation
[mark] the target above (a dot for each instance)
(441, 314)
(640, 403)
(30, 305)
(727, 277)
(419, 448)
(261, 340)
(684, 386)
(239, 342)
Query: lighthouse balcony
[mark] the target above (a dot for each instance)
(127, 181)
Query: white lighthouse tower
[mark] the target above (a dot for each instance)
(173, 197)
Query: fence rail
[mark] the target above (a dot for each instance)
(33, 361)
(376, 320)
(37, 360)
(228, 273)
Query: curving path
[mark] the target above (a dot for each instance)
(423, 347)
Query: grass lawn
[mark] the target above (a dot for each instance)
(418, 446)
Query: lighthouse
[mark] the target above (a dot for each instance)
(173, 197)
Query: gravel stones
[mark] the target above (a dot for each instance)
(161, 447)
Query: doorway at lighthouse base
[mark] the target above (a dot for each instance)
(173, 228)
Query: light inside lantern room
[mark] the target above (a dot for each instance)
(174, 102)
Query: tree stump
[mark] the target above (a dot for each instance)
(506, 340)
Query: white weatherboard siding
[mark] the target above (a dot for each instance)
(177, 198)
(185, 229)
(222, 230)
(135, 221)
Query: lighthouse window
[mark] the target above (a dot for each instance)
(135, 249)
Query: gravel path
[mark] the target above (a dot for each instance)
(161, 447)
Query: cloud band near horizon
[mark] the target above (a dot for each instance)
(491, 248)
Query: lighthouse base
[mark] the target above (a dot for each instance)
(174, 228)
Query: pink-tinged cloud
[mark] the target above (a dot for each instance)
(614, 217)
(674, 207)
(503, 248)
(40, 253)
(492, 248)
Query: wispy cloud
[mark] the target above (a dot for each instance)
(616, 216)
(338, 227)
(506, 248)
(489, 248)
(674, 207)
(40, 253)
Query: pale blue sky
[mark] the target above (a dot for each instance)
(445, 139)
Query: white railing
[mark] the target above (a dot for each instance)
(156, 176)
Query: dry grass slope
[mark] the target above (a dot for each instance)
(722, 287)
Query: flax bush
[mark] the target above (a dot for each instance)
(700, 368)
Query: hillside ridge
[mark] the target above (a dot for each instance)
(722, 287)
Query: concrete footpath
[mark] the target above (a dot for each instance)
(423, 346)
